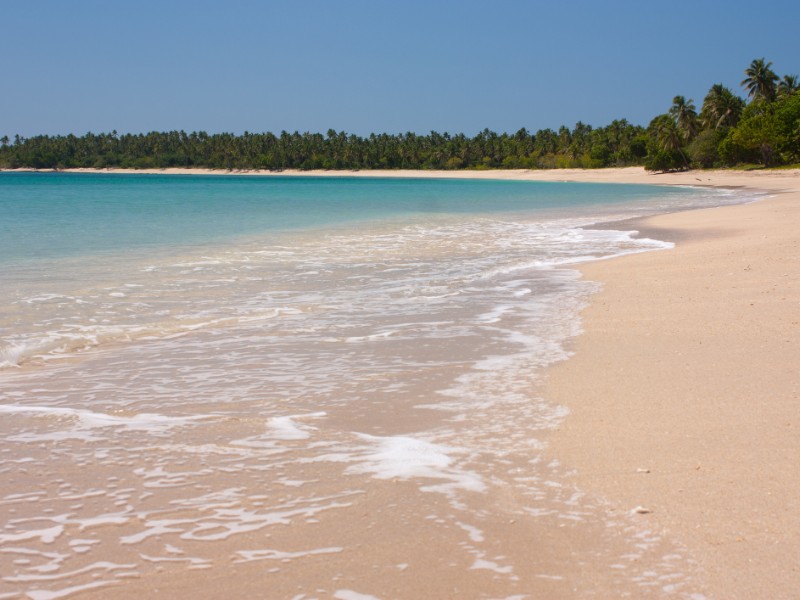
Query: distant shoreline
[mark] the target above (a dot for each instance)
(761, 179)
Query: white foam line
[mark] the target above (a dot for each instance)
(30, 552)
(100, 520)
(47, 536)
(176, 559)
(481, 563)
(224, 523)
(26, 497)
(351, 595)
(106, 566)
(370, 338)
(253, 555)
(54, 595)
(87, 418)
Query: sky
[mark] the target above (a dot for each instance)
(373, 66)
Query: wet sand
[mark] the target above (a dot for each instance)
(685, 387)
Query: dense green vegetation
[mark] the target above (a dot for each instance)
(727, 131)
(618, 144)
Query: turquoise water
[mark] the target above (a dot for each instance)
(47, 215)
(260, 379)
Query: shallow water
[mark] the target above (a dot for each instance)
(303, 389)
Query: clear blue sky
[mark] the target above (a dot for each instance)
(372, 65)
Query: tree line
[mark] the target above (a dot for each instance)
(617, 144)
(727, 131)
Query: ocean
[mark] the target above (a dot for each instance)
(304, 387)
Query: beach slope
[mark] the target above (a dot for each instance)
(684, 400)
(684, 389)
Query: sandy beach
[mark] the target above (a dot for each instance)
(688, 395)
(772, 180)
(684, 389)
(683, 394)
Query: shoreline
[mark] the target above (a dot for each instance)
(683, 388)
(636, 175)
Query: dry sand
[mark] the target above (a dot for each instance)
(685, 387)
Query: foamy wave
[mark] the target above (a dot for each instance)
(577, 246)
(50, 298)
(83, 421)
(59, 344)
(285, 428)
(68, 591)
(15, 354)
(254, 555)
(401, 457)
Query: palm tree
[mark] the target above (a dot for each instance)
(760, 81)
(665, 146)
(667, 134)
(721, 108)
(685, 116)
(789, 84)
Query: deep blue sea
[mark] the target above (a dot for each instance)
(234, 373)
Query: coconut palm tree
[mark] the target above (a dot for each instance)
(665, 145)
(789, 84)
(667, 134)
(721, 108)
(685, 116)
(761, 80)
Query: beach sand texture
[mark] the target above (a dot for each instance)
(685, 387)
(684, 390)
(683, 393)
